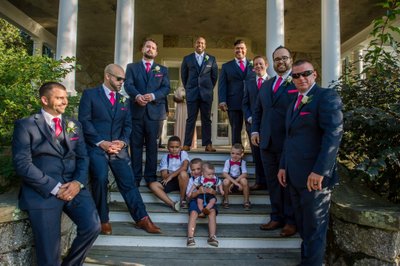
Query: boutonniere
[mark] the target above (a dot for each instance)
(71, 127)
(122, 99)
(288, 81)
(251, 63)
(206, 58)
(306, 99)
(156, 69)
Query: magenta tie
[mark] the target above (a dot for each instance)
(241, 65)
(298, 101)
(57, 126)
(147, 67)
(112, 98)
(259, 83)
(277, 84)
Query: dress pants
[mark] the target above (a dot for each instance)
(255, 151)
(236, 122)
(282, 209)
(144, 132)
(46, 228)
(312, 218)
(122, 171)
(193, 108)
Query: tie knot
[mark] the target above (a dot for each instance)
(260, 79)
(147, 63)
(56, 120)
(112, 94)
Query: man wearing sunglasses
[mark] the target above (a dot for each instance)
(268, 132)
(107, 125)
(314, 128)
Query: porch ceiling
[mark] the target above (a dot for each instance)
(211, 18)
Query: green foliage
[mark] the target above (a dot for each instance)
(20, 78)
(371, 142)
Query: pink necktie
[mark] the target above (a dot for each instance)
(147, 67)
(112, 98)
(259, 83)
(241, 65)
(298, 101)
(277, 84)
(57, 126)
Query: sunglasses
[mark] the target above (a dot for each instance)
(116, 77)
(302, 74)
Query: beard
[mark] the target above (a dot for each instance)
(148, 56)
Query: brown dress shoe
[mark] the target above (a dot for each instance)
(288, 230)
(106, 229)
(258, 187)
(147, 225)
(210, 148)
(186, 148)
(272, 225)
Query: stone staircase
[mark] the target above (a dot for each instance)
(241, 242)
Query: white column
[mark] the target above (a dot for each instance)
(275, 30)
(66, 37)
(37, 46)
(330, 40)
(124, 32)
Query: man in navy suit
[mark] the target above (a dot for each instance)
(251, 90)
(49, 155)
(231, 86)
(314, 128)
(268, 132)
(107, 125)
(199, 73)
(147, 84)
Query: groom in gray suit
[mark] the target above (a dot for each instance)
(199, 73)
(49, 154)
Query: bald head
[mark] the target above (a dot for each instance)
(114, 77)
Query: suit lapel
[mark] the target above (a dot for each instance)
(105, 100)
(66, 135)
(203, 63)
(46, 131)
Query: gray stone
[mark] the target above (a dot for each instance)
(21, 257)
(378, 243)
(15, 236)
(373, 262)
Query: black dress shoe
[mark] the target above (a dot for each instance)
(258, 187)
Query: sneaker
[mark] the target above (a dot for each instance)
(184, 204)
(212, 241)
(177, 206)
(190, 242)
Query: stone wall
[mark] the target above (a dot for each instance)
(16, 241)
(364, 230)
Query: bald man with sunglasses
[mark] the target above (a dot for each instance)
(314, 128)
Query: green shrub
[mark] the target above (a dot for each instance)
(20, 78)
(371, 142)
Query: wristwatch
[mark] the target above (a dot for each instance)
(81, 186)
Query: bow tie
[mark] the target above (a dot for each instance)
(173, 156)
(233, 163)
(207, 180)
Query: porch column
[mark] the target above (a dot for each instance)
(124, 32)
(66, 38)
(330, 41)
(275, 30)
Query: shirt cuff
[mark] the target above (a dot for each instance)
(55, 190)
(254, 133)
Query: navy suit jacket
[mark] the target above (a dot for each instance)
(156, 81)
(231, 84)
(40, 162)
(199, 81)
(249, 97)
(103, 121)
(313, 135)
(270, 114)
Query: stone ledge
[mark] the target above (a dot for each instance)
(9, 211)
(355, 203)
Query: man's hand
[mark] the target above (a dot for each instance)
(68, 191)
(314, 182)
(148, 97)
(223, 107)
(255, 139)
(141, 100)
(282, 177)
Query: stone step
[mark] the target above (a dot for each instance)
(182, 256)
(149, 197)
(220, 156)
(174, 235)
